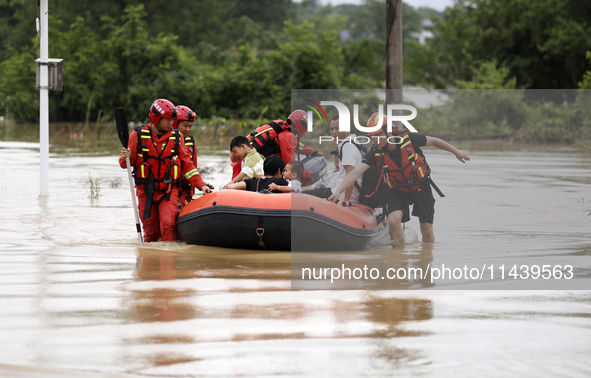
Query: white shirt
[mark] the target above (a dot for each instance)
(295, 185)
(351, 156)
(328, 180)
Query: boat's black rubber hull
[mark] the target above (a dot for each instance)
(234, 227)
(315, 232)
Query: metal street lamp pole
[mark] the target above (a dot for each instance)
(44, 101)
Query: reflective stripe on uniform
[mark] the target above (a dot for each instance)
(175, 173)
(173, 137)
(143, 171)
(191, 173)
(262, 132)
(421, 172)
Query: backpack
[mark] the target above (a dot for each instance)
(373, 191)
(360, 147)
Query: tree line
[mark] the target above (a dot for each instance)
(241, 58)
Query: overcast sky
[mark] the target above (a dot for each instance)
(435, 4)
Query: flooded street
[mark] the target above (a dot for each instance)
(79, 297)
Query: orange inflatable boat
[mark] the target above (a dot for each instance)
(283, 222)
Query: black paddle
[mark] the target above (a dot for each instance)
(123, 132)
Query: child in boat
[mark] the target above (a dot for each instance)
(273, 168)
(292, 173)
(240, 150)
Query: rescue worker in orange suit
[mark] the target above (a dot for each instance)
(404, 172)
(159, 157)
(183, 123)
(282, 138)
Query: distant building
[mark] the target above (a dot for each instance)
(345, 35)
(426, 34)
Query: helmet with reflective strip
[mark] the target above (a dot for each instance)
(299, 119)
(183, 113)
(162, 108)
(373, 120)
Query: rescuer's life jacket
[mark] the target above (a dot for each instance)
(409, 177)
(156, 170)
(413, 170)
(191, 148)
(265, 138)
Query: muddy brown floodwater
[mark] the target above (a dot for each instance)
(79, 297)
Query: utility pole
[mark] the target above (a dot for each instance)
(394, 52)
(44, 100)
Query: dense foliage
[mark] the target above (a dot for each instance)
(223, 58)
(240, 59)
(542, 43)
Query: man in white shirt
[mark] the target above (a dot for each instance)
(350, 155)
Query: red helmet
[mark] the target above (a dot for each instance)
(373, 120)
(183, 113)
(299, 118)
(161, 108)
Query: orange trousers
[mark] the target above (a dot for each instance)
(185, 197)
(162, 221)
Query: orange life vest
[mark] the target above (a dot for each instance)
(264, 138)
(191, 148)
(164, 166)
(413, 171)
(156, 170)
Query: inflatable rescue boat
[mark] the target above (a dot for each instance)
(282, 222)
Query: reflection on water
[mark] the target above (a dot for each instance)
(179, 303)
(78, 295)
(314, 271)
(392, 312)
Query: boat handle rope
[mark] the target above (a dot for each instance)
(260, 232)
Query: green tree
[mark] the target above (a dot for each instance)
(18, 97)
(17, 26)
(258, 83)
(118, 54)
(541, 42)
(129, 68)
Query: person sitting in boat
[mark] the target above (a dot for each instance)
(241, 151)
(283, 138)
(350, 154)
(292, 173)
(402, 167)
(184, 123)
(327, 183)
(159, 157)
(273, 167)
